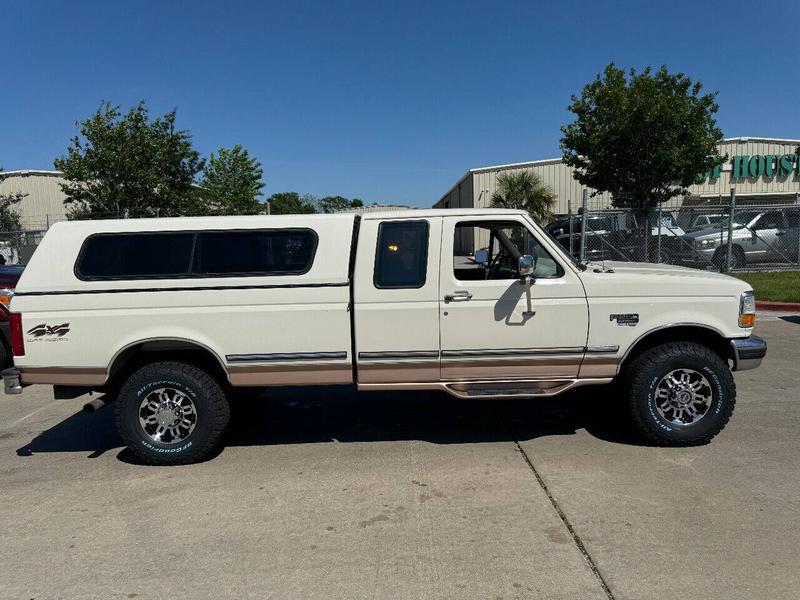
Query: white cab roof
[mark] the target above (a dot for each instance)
(441, 212)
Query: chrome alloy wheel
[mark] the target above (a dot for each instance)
(683, 396)
(167, 415)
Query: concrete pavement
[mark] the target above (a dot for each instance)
(326, 493)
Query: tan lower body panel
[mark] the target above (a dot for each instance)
(87, 376)
(417, 374)
(516, 368)
(249, 375)
(599, 366)
(398, 371)
(305, 374)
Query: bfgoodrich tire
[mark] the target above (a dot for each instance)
(171, 413)
(680, 394)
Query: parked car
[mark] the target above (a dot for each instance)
(759, 236)
(167, 315)
(600, 236)
(9, 276)
(618, 235)
(704, 221)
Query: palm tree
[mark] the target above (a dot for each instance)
(524, 190)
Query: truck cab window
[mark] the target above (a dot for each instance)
(401, 258)
(505, 242)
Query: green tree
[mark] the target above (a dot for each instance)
(130, 166)
(232, 182)
(291, 203)
(331, 204)
(643, 137)
(9, 217)
(524, 190)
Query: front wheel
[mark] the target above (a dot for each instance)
(680, 394)
(171, 413)
(720, 258)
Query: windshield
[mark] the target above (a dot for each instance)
(740, 220)
(743, 218)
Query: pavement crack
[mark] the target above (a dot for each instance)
(575, 537)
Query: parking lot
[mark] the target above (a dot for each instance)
(332, 494)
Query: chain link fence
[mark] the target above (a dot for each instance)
(16, 247)
(717, 237)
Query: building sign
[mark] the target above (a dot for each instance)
(757, 166)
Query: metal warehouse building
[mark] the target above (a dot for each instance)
(763, 170)
(43, 203)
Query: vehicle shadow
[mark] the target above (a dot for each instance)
(80, 432)
(303, 415)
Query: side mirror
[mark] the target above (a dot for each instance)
(526, 265)
(481, 257)
(558, 232)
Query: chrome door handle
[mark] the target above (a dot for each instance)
(458, 297)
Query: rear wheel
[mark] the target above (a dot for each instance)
(680, 394)
(171, 413)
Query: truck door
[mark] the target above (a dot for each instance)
(486, 329)
(767, 234)
(396, 300)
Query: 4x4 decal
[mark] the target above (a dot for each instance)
(44, 329)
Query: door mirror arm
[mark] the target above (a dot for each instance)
(526, 264)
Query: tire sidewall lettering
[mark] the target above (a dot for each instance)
(651, 404)
(146, 388)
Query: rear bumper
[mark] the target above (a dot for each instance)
(748, 352)
(11, 382)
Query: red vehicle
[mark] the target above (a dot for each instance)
(9, 276)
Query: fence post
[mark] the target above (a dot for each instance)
(569, 221)
(732, 211)
(584, 222)
(658, 251)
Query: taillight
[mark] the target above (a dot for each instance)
(15, 329)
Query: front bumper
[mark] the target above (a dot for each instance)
(748, 352)
(693, 256)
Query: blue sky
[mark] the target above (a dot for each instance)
(387, 101)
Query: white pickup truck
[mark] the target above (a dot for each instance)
(167, 315)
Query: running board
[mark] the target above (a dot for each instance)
(509, 389)
(492, 389)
